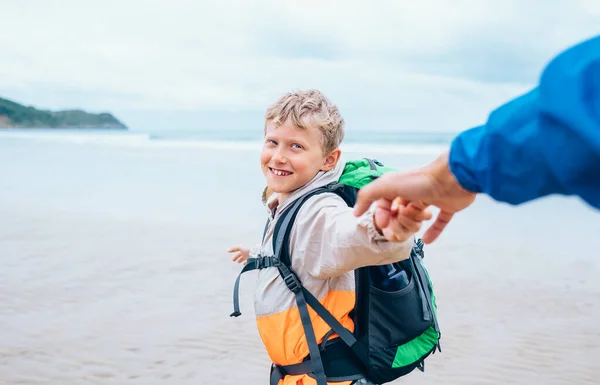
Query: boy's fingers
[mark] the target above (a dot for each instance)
(389, 234)
(396, 203)
(413, 212)
(417, 205)
(395, 232)
(381, 218)
(427, 215)
(409, 224)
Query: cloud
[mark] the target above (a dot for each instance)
(393, 64)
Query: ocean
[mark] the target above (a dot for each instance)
(114, 266)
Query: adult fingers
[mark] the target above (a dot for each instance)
(381, 188)
(408, 186)
(434, 231)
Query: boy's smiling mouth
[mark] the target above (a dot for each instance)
(277, 172)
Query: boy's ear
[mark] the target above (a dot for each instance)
(331, 160)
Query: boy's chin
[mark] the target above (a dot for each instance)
(269, 190)
(274, 189)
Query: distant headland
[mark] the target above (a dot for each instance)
(15, 115)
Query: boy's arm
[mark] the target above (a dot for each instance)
(329, 240)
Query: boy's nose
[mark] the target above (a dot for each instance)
(279, 157)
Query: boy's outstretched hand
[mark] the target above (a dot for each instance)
(241, 254)
(398, 220)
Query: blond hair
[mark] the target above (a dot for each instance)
(306, 109)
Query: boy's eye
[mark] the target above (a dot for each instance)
(296, 145)
(271, 141)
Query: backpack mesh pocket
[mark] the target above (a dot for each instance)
(396, 317)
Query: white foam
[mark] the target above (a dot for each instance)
(206, 144)
(78, 137)
(146, 142)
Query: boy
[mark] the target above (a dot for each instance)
(302, 135)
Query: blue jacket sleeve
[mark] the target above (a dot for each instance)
(544, 142)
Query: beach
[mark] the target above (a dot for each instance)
(114, 271)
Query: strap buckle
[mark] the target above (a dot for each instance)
(292, 282)
(277, 374)
(263, 262)
(417, 250)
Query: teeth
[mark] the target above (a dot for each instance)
(279, 173)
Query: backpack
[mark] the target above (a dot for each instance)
(394, 330)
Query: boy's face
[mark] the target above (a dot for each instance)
(292, 156)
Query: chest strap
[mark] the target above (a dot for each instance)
(260, 262)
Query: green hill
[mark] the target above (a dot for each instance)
(15, 115)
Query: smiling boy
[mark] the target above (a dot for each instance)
(302, 135)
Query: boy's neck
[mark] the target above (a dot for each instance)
(282, 197)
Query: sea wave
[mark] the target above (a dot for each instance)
(147, 141)
(76, 137)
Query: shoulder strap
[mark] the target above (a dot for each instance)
(280, 242)
(281, 237)
(283, 228)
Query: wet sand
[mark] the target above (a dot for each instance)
(106, 301)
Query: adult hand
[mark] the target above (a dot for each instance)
(394, 225)
(432, 185)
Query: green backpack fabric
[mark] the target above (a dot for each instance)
(409, 348)
(394, 330)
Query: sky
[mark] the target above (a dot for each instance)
(431, 65)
